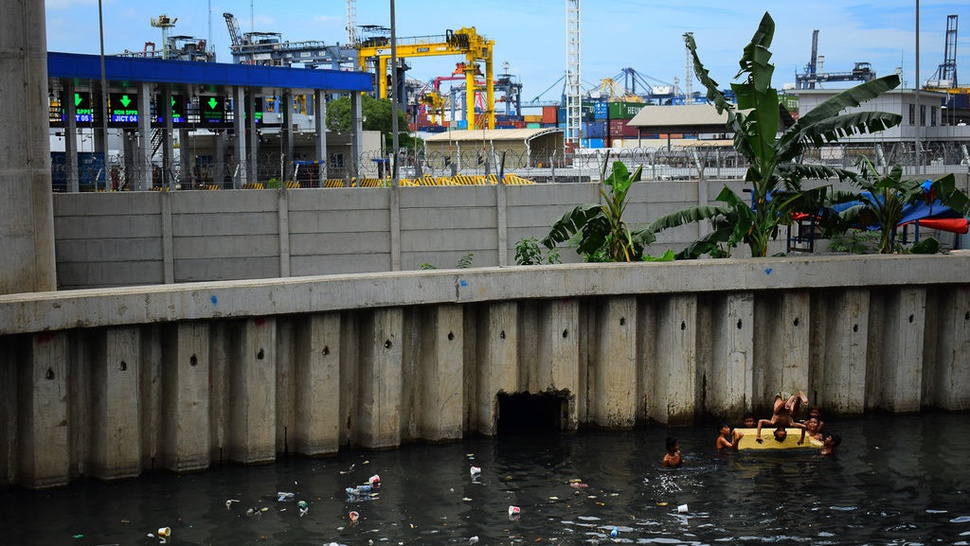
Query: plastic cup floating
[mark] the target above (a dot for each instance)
(514, 511)
(165, 532)
(354, 516)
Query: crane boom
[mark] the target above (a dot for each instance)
(233, 28)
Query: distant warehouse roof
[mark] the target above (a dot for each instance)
(691, 118)
(491, 135)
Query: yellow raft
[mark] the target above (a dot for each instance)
(767, 434)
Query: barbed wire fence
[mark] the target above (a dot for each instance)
(661, 163)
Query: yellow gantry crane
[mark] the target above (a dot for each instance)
(465, 41)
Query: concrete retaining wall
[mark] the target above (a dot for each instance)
(111, 382)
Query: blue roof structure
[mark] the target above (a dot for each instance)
(132, 69)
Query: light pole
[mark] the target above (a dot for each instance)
(919, 107)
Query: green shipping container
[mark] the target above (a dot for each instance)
(790, 102)
(625, 110)
(533, 125)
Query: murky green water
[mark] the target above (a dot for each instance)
(895, 480)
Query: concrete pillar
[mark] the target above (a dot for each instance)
(441, 379)
(26, 209)
(43, 408)
(498, 362)
(252, 137)
(318, 385)
(219, 172)
(729, 382)
(252, 403)
(240, 176)
(70, 138)
(674, 366)
(558, 363)
(842, 386)
(902, 358)
(168, 145)
(356, 135)
(320, 126)
(145, 165)
(613, 389)
(185, 397)
(380, 381)
(187, 160)
(949, 381)
(116, 404)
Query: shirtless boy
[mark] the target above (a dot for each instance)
(783, 416)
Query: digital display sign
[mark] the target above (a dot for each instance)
(212, 110)
(83, 112)
(123, 108)
(178, 110)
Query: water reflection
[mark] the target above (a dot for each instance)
(895, 480)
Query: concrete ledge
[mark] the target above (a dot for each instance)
(50, 311)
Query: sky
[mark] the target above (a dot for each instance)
(530, 35)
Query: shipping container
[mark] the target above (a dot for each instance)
(533, 125)
(594, 143)
(549, 114)
(625, 110)
(601, 110)
(532, 118)
(595, 129)
(622, 128)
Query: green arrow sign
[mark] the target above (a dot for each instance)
(77, 99)
(173, 101)
(125, 101)
(212, 103)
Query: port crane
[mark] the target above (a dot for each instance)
(945, 77)
(269, 49)
(861, 71)
(376, 53)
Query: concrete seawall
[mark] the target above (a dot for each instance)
(113, 382)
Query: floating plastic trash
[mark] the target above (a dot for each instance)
(304, 507)
(682, 509)
(475, 471)
(514, 511)
(473, 540)
(354, 516)
(374, 480)
(165, 532)
(282, 496)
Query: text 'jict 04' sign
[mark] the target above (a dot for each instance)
(123, 109)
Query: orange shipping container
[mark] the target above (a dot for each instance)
(549, 114)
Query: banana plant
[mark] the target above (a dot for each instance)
(775, 171)
(603, 235)
(882, 202)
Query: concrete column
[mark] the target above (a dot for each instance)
(43, 408)
(8, 410)
(318, 385)
(379, 394)
(498, 362)
(729, 382)
(252, 404)
(674, 367)
(168, 145)
(185, 397)
(903, 355)
(502, 223)
(613, 389)
(70, 138)
(356, 134)
(950, 381)
(219, 171)
(145, 166)
(187, 160)
(252, 137)
(842, 386)
(26, 210)
(558, 363)
(320, 126)
(240, 176)
(116, 404)
(441, 378)
(394, 222)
